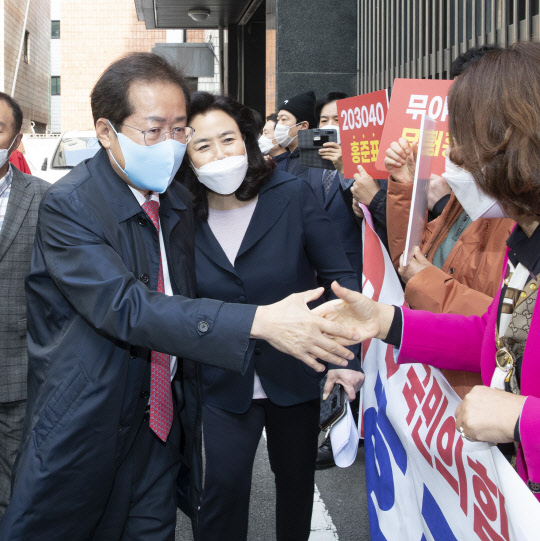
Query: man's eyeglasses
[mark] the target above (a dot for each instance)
(153, 136)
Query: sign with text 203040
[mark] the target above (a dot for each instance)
(361, 122)
(410, 98)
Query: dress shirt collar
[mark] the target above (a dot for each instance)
(5, 182)
(141, 199)
(525, 250)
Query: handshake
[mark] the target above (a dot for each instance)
(324, 332)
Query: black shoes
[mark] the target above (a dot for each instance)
(325, 457)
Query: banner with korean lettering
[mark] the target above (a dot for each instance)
(361, 123)
(410, 98)
(424, 481)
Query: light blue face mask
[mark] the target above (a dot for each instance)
(150, 167)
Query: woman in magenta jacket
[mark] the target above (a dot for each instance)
(494, 115)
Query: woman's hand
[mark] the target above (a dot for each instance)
(418, 263)
(487, 414)
(351, 380)
(291, 327)
(332, 152)
(364, 188)
(400, 160)
(367, 318)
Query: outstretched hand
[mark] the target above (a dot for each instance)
(291, 327)
(368, 319)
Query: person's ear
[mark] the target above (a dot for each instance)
(105, 133)
(17, 142)
(304, 125)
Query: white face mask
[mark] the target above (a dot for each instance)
(4, 153)
(332, 127)
(223, 176)
(281, 134)
(475, 202)
(265, 144)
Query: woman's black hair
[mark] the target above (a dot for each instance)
(259, 170)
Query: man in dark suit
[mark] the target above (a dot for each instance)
(111, 326)
(334, 192)
(20, 196)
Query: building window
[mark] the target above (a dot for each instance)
(55, 29)
(55, 85)
(26, 47)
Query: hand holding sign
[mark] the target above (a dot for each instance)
(400, 160)
(364, 188)
(416, 264)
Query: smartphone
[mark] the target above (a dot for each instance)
(334, 407)
(309, 143)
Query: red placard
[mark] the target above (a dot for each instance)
(361, 122)
(411, 98)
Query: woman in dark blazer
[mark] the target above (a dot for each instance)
(260, 235)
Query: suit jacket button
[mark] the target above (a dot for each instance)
(237, 281)
(242, 298)
(144, 394)
(133, 353)
(141, 220)
(257, 351)
(203, 326)
(145, 278)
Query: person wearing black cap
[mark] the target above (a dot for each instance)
(295, 114)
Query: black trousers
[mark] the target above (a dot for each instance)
(142, 503)
(230, 443)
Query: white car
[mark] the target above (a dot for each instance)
(58, 155)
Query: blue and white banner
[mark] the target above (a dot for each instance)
(424, 481)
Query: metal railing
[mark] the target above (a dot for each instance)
(421, 38)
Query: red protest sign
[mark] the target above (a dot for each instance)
(411, 98)
(361, 122)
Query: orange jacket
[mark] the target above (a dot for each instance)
(471, 274)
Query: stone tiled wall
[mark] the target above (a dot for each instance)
(94, 34)
(32, 87)
(210, 84)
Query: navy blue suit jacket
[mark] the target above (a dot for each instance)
(93, 317)
(290, 242)
(338, 205)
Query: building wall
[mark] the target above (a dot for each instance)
(94, 34)
(208, 84)
(56, 69)
(316, 46)
(32, 85)
(394, 41)
(211, 84)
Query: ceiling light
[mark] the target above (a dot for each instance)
(199, 14)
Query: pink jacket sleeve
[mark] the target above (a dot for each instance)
(448, 341)
(530, 437)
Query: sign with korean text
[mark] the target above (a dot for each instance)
(361, 122)
(411, 98)
(424, 481)
(419, 199)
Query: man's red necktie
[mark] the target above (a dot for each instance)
(161, 404)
